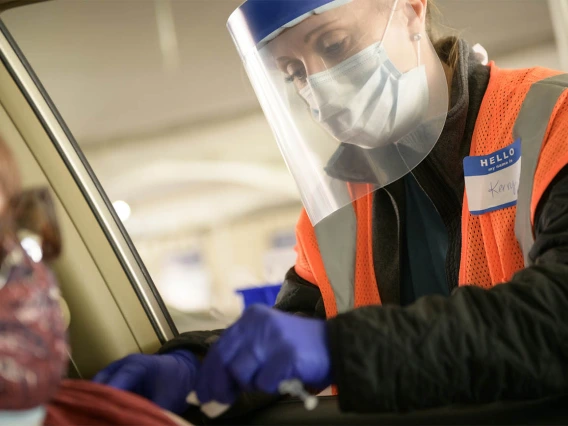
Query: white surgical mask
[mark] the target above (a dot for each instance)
(366, 101)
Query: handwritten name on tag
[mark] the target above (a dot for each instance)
(492, 181)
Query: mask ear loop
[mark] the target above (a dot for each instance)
(417, 38)
(392, 12)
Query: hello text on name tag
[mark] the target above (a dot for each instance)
(492, 181)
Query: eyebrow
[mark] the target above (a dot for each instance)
(315, 30)
(282, 59)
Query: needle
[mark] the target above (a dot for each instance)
(295, 388)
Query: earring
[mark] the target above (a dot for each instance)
(417, 37)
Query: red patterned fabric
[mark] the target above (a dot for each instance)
(80, 402)
(33, 345)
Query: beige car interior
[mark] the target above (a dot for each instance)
(106, 319)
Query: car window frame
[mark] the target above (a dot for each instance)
(85, 178)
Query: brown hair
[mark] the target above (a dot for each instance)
(35, 212)
(446, 47)
(9, 189)
(31, 209)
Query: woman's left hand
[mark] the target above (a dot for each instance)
(263, 348)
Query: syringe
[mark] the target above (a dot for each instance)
(294, 387)
(291, 387)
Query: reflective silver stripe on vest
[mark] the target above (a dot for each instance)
(337, 241)
(530, 126)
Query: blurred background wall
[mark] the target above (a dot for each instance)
(156, 96)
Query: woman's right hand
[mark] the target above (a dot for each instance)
(164, 379)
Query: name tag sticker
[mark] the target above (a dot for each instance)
(492, 181)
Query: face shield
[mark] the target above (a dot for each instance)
(353, 90)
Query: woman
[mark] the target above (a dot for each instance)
(33, 347)
(440, 264)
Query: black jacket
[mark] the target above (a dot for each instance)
(509, 342)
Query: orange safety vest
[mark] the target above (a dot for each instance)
(532, 104)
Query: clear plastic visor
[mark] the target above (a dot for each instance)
(355, 96)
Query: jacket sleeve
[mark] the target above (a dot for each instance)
(509, 342)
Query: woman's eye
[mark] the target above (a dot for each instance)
(333, 46)
(334, 49)
(296, 72)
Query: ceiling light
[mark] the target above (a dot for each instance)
(122, 210)
(167, 35)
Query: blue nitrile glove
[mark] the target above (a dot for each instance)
(263, 348)
(163, 379)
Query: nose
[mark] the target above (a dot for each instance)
(314, 64)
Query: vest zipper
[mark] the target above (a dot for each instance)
(398, 236)
(453, 202)
(387, 265)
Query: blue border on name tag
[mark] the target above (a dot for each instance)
(487, 164)
(492, 209)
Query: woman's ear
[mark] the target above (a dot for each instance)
(416, 11)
